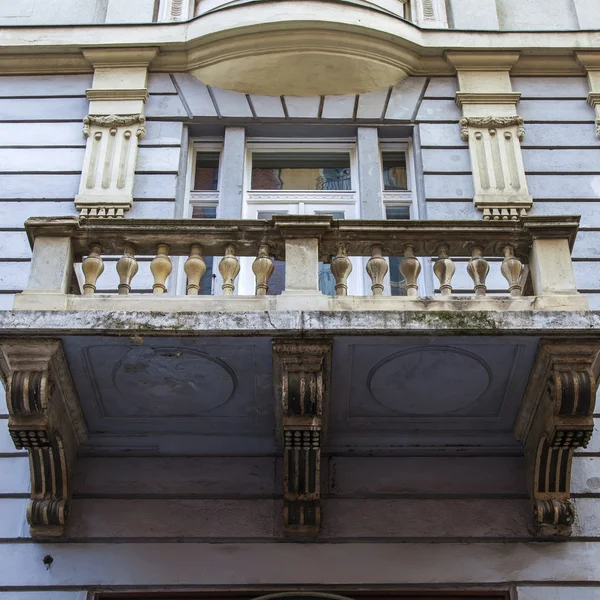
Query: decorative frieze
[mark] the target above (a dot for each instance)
(45, 419)
(498, 173)
(301, 384)
(555, 420)
(106, 187)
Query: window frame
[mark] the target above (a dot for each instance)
(202, 197)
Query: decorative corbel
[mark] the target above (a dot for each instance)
(301, 387)
(494, 131)
(430, 13)
(591, 63)
(555, 420)
(46, 420)
(113, 128)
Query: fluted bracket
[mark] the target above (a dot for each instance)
(45, 418)
(555, 420)
(301, 385)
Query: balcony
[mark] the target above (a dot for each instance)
(101, 359)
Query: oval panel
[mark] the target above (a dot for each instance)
(172, 381)
(429, 380)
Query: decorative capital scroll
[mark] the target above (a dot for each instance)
(46, 420)
(301, 383)
(555, 420)
(491, 123)
(115, 121)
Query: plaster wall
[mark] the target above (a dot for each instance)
(537, 14)
(52, 12)
(146, 522)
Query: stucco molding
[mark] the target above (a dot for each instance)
(463, 98)
(491, 123)
(555, 420)
(115, 121)
(45, 419)
(118, 94)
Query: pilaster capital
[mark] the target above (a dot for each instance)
(120, 57)
(482, 61)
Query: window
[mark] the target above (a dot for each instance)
(394, 171)
(206, 173)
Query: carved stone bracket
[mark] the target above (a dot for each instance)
(555, 420)
(106, 188)
(44, 418)
(301, 382)
(594, 101)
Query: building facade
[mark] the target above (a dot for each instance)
(299, 297)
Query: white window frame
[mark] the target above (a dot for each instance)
(208, 197)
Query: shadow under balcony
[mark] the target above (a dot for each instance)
(303, 374)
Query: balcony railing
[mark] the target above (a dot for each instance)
(534, 257)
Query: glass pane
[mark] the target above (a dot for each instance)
(394, 171)
(207, 282)
(326, 278)
(206, 177)
(397, 282)
(277, 279)
(319, 171)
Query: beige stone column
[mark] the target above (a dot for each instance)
(113, 128)
(591, 63)
(494, 131)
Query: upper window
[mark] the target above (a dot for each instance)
(395, 176)
(310, 171)
(206, 172)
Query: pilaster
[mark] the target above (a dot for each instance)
(430, 13)
(494, 131)
(591, 63)
(301, 385)
(113, 128)
(44, 418)
(555, 420)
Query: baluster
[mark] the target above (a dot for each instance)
(92, 267)
(194, 268)
(444, 269)
(341, 267)
(229, 267)
(263, 268)
(478, 269)
(512, 269)
(377, 268)
(410, 268)
(161, 268)
(127, 267)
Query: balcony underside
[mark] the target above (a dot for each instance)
(302, 384)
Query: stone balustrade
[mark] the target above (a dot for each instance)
(534, 256)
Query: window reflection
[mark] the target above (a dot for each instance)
(312, 171)
(394, 171)
(397, 281)
(206, 177)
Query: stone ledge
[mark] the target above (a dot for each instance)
(585, 324)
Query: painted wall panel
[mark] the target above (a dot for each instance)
(449, 186)
(13, 276)
(557, 135)
(528, 15)
(301, 107)
(42, 134)
(456, 475)
(43, 109)
(165, 106)
(156, 564)
(172, 476)
(155, 186)
(564, 186)
(267, 106)
(562, 161)
(404, 98)
(162, 133)
(442, 87)
(439, 110)
(15, 186)
(160, 83)
(6, 303)
(14, 244)
(441, 134)
(545, 592)
(196, 95)
(231, 104)
(15, 476)
(6, 443)
(23, 86)
(13, 524)
(372, 104)
(568, 111)
(45, 160)
(158, 160)
(338, 107)
(550, 87)
(449, 161)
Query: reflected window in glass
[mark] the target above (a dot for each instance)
(311, 171)
(397, 281)
(395, 176)
(206, 176)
